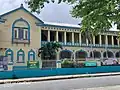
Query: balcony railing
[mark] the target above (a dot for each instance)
(84, 45)
(69, 43)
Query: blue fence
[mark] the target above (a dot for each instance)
(53, 72)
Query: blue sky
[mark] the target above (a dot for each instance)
(52, 12)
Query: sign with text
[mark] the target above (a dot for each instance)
(33, 64)
(90, 63)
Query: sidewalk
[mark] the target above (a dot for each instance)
(56, 77)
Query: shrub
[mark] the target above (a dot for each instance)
(67, 64)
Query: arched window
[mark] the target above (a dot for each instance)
(117, 54)
(65, 54)
(81, 54)
(20, 31)
(20, 56)
(9, 54)
(96, 54)
(108, 54)
(31, 55)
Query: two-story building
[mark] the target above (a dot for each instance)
(22, 33)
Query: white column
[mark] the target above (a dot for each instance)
(112, 41)
(80, 38)
(57, 36)
(58, 55)
(48, 35)
(72, 38)
(40, 35)
(94, 40)
(65, 38)
(118, 42)
(100, 40)
(106, 39)
(87, 41)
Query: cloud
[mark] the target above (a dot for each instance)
(52, 12)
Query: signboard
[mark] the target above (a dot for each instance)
(3, 63)
(90, 63)
(33, 64)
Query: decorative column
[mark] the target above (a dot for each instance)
(80, 42)
(118, 42)
(65, 38)
(58, 55)
(73, 38)
(40, 36)
(112, 41)
(48, 35)
(57, 36)
(106, 39)
(87, 42)
(100, 39)
(94, 40)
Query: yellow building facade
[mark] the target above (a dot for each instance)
(22, 33)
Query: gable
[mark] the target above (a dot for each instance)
(24, 11)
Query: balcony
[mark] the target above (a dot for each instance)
(22, 41)
(85, 45)
(69, 43)
(43, 42)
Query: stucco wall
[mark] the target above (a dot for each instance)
(6, 34)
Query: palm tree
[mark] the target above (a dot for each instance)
(49, 50)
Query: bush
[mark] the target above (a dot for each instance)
(67, 64)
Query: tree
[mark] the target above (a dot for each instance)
(49, 50)
(97, 15)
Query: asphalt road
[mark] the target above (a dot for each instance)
(67, 84)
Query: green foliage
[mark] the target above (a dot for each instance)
(97, 15)
(67, 64)
(37, 5)
(49, 50)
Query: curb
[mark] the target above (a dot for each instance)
(25, 80)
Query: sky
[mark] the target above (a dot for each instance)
(52, 12)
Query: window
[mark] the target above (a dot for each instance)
(31, 55)
(21, 32)
(9, 54)
(20, 56)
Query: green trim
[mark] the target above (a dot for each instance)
(13, 26)
(33, 54)
(86, 54)
(19, 54)
(11, 54)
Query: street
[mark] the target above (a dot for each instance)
(67, 84)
